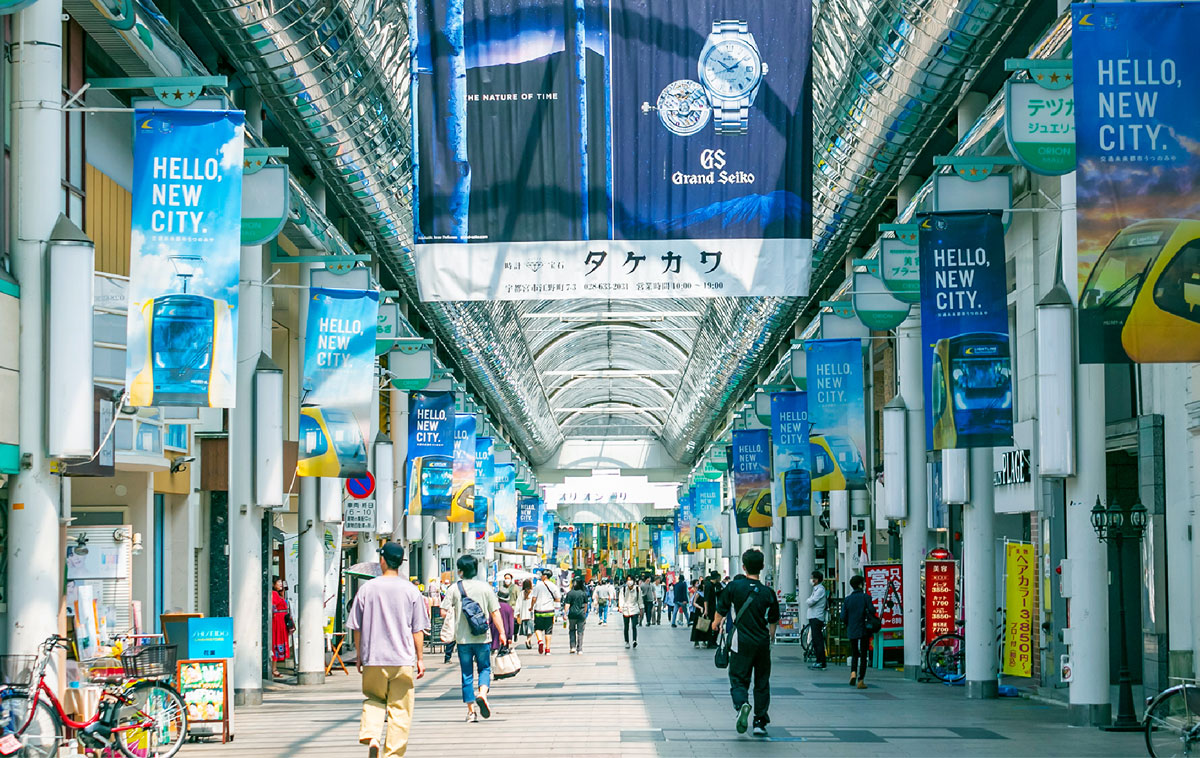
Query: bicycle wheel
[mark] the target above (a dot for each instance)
(40, 735)
(152, 721)
(944, 658)
(1173, 723)
(806, 641)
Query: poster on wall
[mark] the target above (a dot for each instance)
(885, 586)
(1137, 130)
(706, 512)
(964, 331)
(612, 148)
(338, 382)
(430, 479)
(462, 501)
(836, 416)
(792, 452)
(485, 481)
(752, 479)
(1020, 581)
(185, 255)
(502, 521)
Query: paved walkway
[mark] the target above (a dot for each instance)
(666, 699)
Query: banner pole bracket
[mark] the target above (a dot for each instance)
(171, 91)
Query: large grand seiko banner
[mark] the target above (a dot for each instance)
(598, 148)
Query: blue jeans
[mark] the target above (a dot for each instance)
(470, 657)
(603, 611)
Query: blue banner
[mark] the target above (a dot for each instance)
(1137, 123)
(565, 538)
(683, 521)
(793, 451)
(528, 512)
(752, 479)
(964, 331)
(667, 552)
(531, 125)
(546, 532)
(462, 503)
(430, 478)
(502, 521)
(706, 511)
(185, 254)
(485, 480)
(836, 414)
(338, 383)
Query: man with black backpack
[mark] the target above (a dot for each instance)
(755, 615)
(472, 603)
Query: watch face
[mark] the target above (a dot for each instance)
(682, 107)
(731, 68)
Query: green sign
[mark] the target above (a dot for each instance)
(877, 307)
(898, 262)
(1039, 118)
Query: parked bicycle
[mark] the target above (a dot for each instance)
(138, 713)
(1172, 721)
(945, 656)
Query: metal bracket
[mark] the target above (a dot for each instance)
(1050, 74)
(906, 233)
(349, 259)
(171, 91)
(973, 168)
(254, 158)
(840, 308)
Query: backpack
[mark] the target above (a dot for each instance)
(477, 620)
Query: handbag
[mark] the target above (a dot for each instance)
(871, 621)
(703, 624)
(448, 628)
(507, 664)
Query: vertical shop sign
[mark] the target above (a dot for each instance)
(612, 148)
(1137, 120)
(1020, 580)
(485, 475)
(793, 451)
(964, 331)
(836, 414)
(706, 513)
(884, 585)
(185, 255)
(430, 477)
(338, 382)
(462, 502)
(502, 521)
(940, 607)
(752, 480)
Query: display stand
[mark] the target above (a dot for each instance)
(204, 687)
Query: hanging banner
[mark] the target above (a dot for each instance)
(528, 512)
(502, 521)
(485, 480)
(614, 148)
(430, 479)
(899, 267)
(884, 585)
(836, 414)
(338, 382)
(752, 479)
(683, 521)
(793, 451)
(1138, 178)
(185, 256)
(1039, 118)
(565, 539)
(546, 532)
(941, 608)
(964, 331)
(706, 513)
(667, 549)
(462, 502)
(1019, 583)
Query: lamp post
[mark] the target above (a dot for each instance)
(1113, 526)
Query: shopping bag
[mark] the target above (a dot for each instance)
(507, 664)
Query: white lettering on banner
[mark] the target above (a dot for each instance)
(1123, 105)
(448, 272)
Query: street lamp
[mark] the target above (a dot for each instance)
(1113, 526)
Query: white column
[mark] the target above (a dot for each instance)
(806, 553)
(915, 530)
(430, 565)
(979, 578)
(399, 425)
(787, 581)
(1087, 558)
(310, 625)
(34, 533)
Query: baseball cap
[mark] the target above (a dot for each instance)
(393, 552)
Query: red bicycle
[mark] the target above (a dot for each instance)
(140, 715)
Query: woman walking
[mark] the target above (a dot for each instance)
(525, 612)
(575, 605)
(281, 627)
(855, 610)
(469, 603)
(706, 609)
(630, 605)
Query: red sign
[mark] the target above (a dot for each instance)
(940, 606)
(361, 487)
(885, 588)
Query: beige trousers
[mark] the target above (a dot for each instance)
(389, 693)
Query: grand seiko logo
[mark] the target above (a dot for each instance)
(713, 164)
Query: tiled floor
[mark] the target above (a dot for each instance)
(666, 699)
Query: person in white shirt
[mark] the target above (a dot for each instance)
(546, 597)
(817, 601)
(659, 596)
(630, 606)
(606, 595)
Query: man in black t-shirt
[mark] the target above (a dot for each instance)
(755, 614)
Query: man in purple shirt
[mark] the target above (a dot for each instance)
(389, 619)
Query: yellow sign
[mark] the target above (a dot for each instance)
(1018, 623)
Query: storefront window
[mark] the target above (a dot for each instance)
(176, 438)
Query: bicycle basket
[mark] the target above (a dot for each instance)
(17, 670)
(149, 662)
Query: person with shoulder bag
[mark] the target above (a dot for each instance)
(473, 608)
(746, 648)
(575, 609)
(630, 606)
(546, 597)
(861, 623)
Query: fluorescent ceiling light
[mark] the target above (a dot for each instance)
(612, 373)
(610, 409)
(612, 315)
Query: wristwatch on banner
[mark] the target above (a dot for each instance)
(731, 70)
(683, 107)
